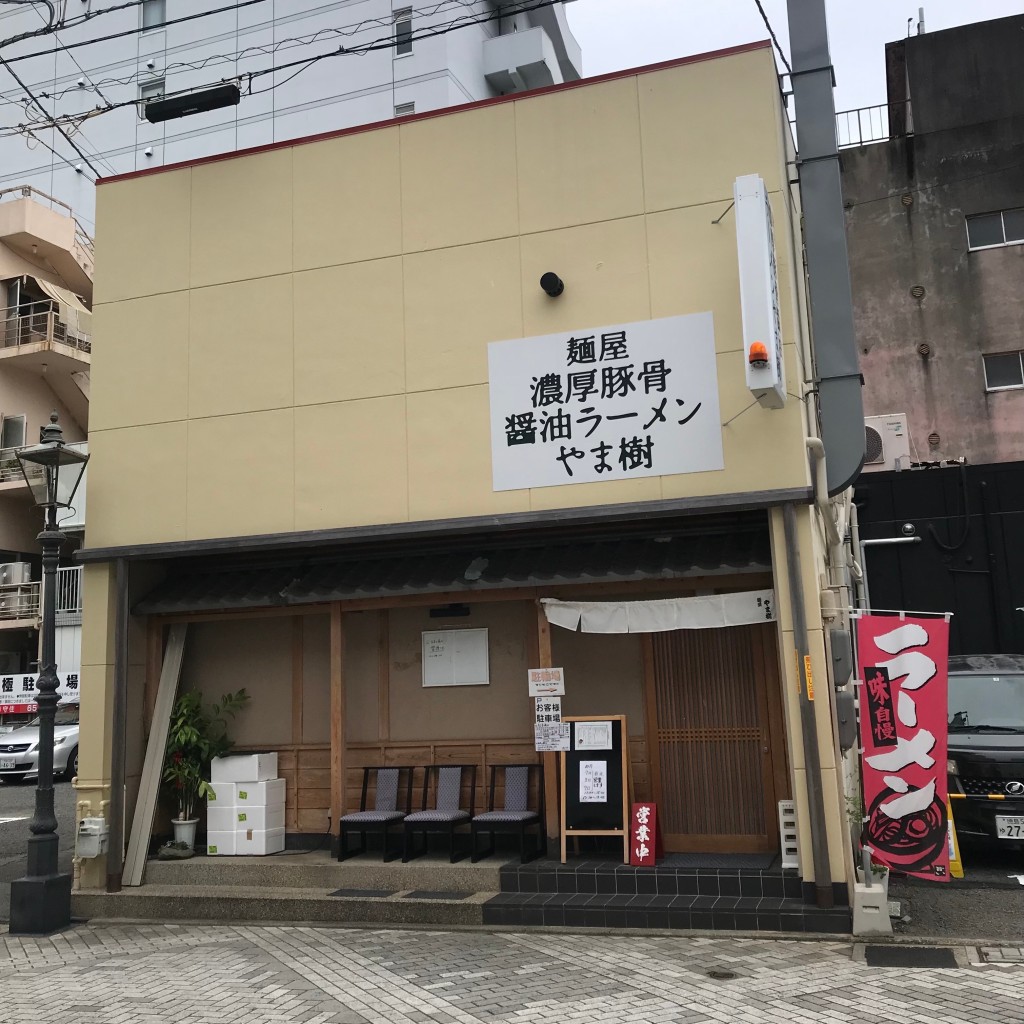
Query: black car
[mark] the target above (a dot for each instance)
(986, 746)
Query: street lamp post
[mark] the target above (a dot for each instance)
(41, 900)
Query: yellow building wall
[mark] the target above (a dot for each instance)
(306, 347)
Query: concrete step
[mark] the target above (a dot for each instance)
(280, 904)
(317, 870)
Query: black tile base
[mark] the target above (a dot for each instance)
(700, 913)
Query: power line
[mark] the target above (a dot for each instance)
(351, 29)
(775, 38)
(521, 7)
(59, 42)
(81, 19)
(55, 124)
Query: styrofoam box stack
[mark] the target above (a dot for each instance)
(245, 812)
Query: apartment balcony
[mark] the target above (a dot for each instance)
(43, 229)
(521, 60)
(46, 339)
(20, 603)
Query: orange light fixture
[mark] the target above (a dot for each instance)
(757, 354)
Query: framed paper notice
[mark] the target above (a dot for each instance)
(456, 657)
(593, 782)
(593, 735)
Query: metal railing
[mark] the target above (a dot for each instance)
(69, 591)
(19, 601)
(34, 322)
(864, 125)
(10, 467)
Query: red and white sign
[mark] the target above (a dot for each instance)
(902, 664)
(546, 682)
(18, 693)
(643, 832)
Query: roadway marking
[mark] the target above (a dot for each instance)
(7, 821)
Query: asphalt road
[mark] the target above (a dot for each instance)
(17, 801)
(987, 903)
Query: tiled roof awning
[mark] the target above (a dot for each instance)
(465, 570)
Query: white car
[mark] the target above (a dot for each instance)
(19, 750)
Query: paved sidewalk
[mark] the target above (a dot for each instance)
(183, 974)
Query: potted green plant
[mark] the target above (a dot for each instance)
(197, 733)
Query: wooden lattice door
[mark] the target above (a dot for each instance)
(714, 728)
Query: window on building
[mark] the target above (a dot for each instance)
(151, 90)
(988, 229)
(404, 109)
(1005, 370)
(12, 432)
(154, 12)
(403, 31)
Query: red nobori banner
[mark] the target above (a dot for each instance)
(902, 664)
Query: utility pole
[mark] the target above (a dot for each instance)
(837, 369)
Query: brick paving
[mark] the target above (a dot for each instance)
(184, 974)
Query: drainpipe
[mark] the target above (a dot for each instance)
(859, 601)
(823, 894)
(115, 811)
(817, 452)
(837, 373)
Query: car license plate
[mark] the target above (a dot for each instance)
(1008, 826)
(8, 762)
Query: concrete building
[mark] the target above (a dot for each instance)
(314, 447)
(181, 47)
(935, 217)
(46, 266)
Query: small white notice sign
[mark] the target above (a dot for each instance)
(549, 710)
(594, 736)
(551, 737)
(593, 782)
(546, 682)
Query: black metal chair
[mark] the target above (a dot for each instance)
(447, 813)
(385, 814)
(515, 817)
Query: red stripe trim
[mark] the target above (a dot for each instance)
(443, 112)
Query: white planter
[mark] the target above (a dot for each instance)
(185, 831)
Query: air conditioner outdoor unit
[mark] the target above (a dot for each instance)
(887, 442)
(15, 572)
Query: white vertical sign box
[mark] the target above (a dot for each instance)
(759, 293)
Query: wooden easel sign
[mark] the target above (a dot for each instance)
(595, 783)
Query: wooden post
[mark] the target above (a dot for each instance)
(337, 716)
(297, 673)
(383, 676)
(550, 759)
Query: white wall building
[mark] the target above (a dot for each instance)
(511, 51)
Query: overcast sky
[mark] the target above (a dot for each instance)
(617, 34)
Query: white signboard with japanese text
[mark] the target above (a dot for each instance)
(18, 693)
(550, 737)
(593, 735)
(455, 657)
(605, 403)
(548, 710)
(546, 682)
(593, 782)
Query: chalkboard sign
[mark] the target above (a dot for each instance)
(596, 793)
